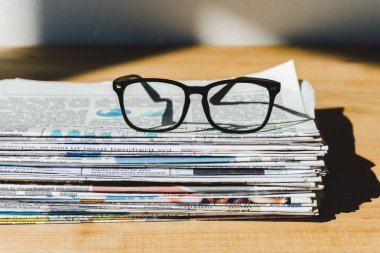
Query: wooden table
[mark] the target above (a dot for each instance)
(347, 82)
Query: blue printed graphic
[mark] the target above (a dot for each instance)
(152, 114)
(82, 154)
(105, 134)
(73, 133)
(90, 134)
(151, 135)
(111, 112)
(130, 197)
(56, 133)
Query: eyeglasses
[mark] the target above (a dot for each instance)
(240, 105)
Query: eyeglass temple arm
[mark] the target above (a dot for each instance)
(216, 99)
(167, 117)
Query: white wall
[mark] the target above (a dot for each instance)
(236, 22)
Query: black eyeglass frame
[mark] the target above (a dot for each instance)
(120, 84)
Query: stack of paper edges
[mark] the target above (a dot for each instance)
(66, 155)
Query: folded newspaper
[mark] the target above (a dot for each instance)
(67, 156)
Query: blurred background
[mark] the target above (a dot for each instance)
(215, 22)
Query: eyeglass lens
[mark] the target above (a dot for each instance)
(153, 105)
(243, 106)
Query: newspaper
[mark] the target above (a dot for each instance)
(56, 109)
(67, 156)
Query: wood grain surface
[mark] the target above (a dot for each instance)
(347, 82)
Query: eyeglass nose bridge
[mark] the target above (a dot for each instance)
(196, 90)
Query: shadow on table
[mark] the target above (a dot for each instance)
(59, 62)
(351, 182)
(349, 53)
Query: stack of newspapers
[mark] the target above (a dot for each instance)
(67, 156)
